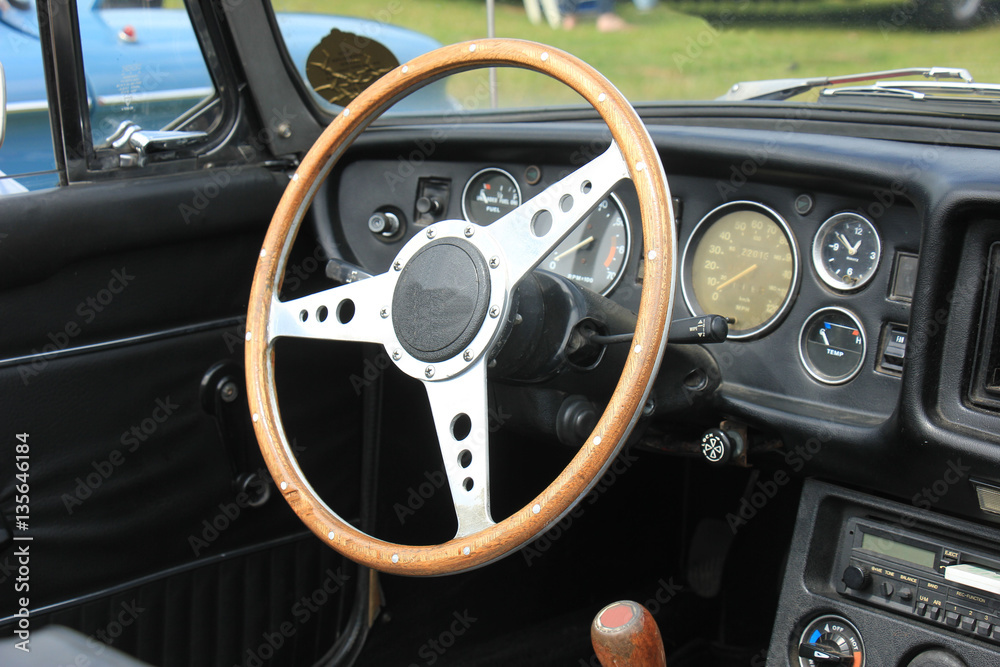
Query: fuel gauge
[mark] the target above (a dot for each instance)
(832, 345)
(489, 195)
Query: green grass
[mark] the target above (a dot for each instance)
(695, 50)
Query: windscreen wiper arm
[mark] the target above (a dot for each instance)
(782, 89)
(951, 91)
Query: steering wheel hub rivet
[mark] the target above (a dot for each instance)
(397, 355)
(466, 550)
(284, 485)
(347, 111)
(429, 372)
(395, 558)
(495, 311)
(255, 417)
(467, 355)
(602, 97)
(330, 535)
(248, 336)
(469, 231)
(638, 349)
(406, 68)
(263, 252)
(384, 313)
(494, 262)
(545, 56)
(651, 255)
(639, 166)
(295, 176)
(597, 439)
(398, 266)
(472, 47)
(536, 508)
(430, 233)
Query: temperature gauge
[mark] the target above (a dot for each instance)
(831, 640)
(832, 345)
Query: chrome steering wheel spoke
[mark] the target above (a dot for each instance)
(531, 231)
(351, 312)
(461, 418)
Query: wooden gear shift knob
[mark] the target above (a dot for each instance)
(624, 634)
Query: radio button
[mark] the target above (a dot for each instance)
(936, 613)
(905, 594)
(968, 623)
(952, 619)
(995, 635)
(983, 628)
(887, 589)
(921, 608)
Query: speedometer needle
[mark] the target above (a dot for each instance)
(737, 277)
(575, 248)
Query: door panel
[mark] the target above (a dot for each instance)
(114, 311)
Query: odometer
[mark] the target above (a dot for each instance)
(741, 262)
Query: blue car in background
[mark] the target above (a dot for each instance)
(145, 65)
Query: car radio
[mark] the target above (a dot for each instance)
(936, 580)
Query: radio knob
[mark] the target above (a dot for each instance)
(857, 577)
(935, 658)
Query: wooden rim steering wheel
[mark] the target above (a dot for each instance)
(443, 306)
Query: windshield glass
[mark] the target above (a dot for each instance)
(654, 50)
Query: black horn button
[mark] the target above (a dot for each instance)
(441, 300)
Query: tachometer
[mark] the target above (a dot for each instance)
(741, 262)
(596, 251)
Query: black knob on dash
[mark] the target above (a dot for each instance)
(936, 658)
(428, 205)
(720, 447)
(857, 577)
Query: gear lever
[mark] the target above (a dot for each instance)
(624, 634)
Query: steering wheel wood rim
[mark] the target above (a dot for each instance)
(603, 444)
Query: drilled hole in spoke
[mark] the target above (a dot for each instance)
(303, 315)
(541, 223)
(461, 426)
(322, 313)
(566, 203)
(465, 458)
(345, 311)
(467, 484)
(585, 187)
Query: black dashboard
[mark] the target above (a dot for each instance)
(776, 358)
(880, 380)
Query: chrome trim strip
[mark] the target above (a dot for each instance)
(158, 96)
(122, 342)
(25, 107)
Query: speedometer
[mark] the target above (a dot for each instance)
(741, 262)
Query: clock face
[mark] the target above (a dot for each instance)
(846, 251)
